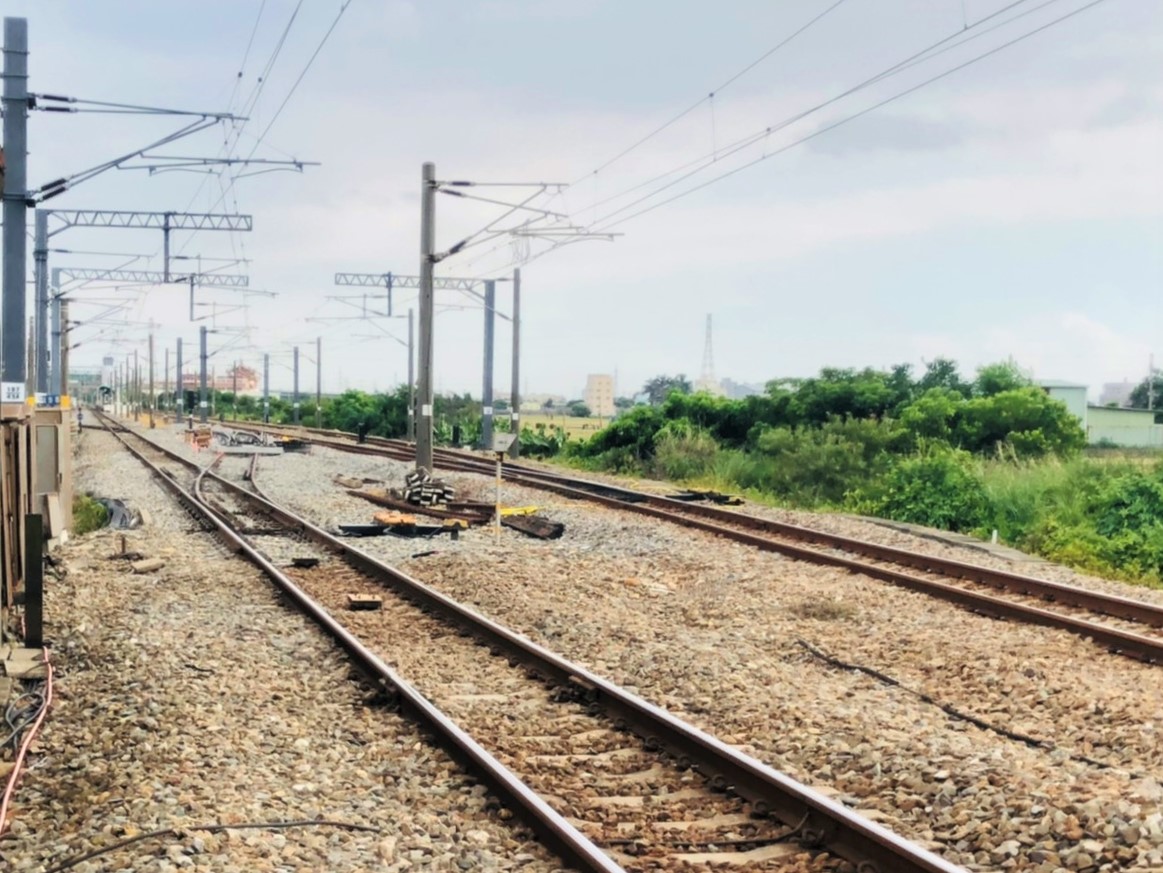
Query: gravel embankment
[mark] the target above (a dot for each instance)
(880, 532)
(711, 630)
(632, 802)
(191, 696)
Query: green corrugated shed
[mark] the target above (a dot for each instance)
(1132, 428)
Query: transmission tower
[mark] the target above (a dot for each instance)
(707, 381)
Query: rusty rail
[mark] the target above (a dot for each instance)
(557, 833)
(820, 821)
(760, 533)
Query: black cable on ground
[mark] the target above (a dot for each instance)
(210, 828)
(952, 711)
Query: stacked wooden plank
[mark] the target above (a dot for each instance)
(421, 489)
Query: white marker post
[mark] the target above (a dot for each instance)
(502, 442)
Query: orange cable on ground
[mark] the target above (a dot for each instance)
(10, 788)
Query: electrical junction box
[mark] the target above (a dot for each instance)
(502, 442)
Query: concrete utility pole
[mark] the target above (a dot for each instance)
(152, 424)
(203, 405)
(295, 397)
(12, 308)
(1150, 382)
(266, 389)
(424, 399)
(55, 342)
(40, 314)
(180, 394)
(318, 381)
(487, 386)
(411, 381)
(464, 285)
(166, 375)
(515, 389)
(30, 358)
(136, 387)
(66, 333)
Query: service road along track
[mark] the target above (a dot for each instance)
(606, 779)
(1122, 625)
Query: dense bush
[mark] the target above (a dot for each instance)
(939, 488)
(88, 514)
(994, 452)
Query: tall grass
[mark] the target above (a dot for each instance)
(1094, 513)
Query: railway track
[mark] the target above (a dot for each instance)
(1121, 625)
(606, 779)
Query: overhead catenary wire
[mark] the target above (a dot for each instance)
(228, 148)
(302, 74)
(711, 95)
(703, 162)
(246, 53)
(229, 188)
(941, 46)
(604, 223)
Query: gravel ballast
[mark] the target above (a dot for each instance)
(191, 696)
(712, 630)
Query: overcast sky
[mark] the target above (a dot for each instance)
(1014, 207)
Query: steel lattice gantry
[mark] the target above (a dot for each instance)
(114, 218)
(154, 277)
(159, 220)
(392, 282)
(419, 408)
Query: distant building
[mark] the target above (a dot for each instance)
(243, 378)
(738, 390)
(708, 385)
(1072, 394)
(1118, 393)
(599, 395)
(1131, 428)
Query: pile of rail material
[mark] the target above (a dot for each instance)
(404, 525)
(693, 496)
(420, 489)
(394, 500)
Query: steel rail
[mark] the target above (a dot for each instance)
(554, 831)
(820, 822)
(1067, 595)
(1143, 648)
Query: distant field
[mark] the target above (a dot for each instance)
(575, 427)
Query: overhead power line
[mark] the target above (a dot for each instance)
(303, 73)
(606, 226)
(228, 189)
(712, 93)
(968, 33)
(953, 41)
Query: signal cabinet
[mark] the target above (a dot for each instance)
(52, 468)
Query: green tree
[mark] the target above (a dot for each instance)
(660, 387)
(846, 393)
(579, 409)
(996, 378)
(1138, 399)
(1026, 418)
(626, 442)
(933, 415)
(943, 373)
